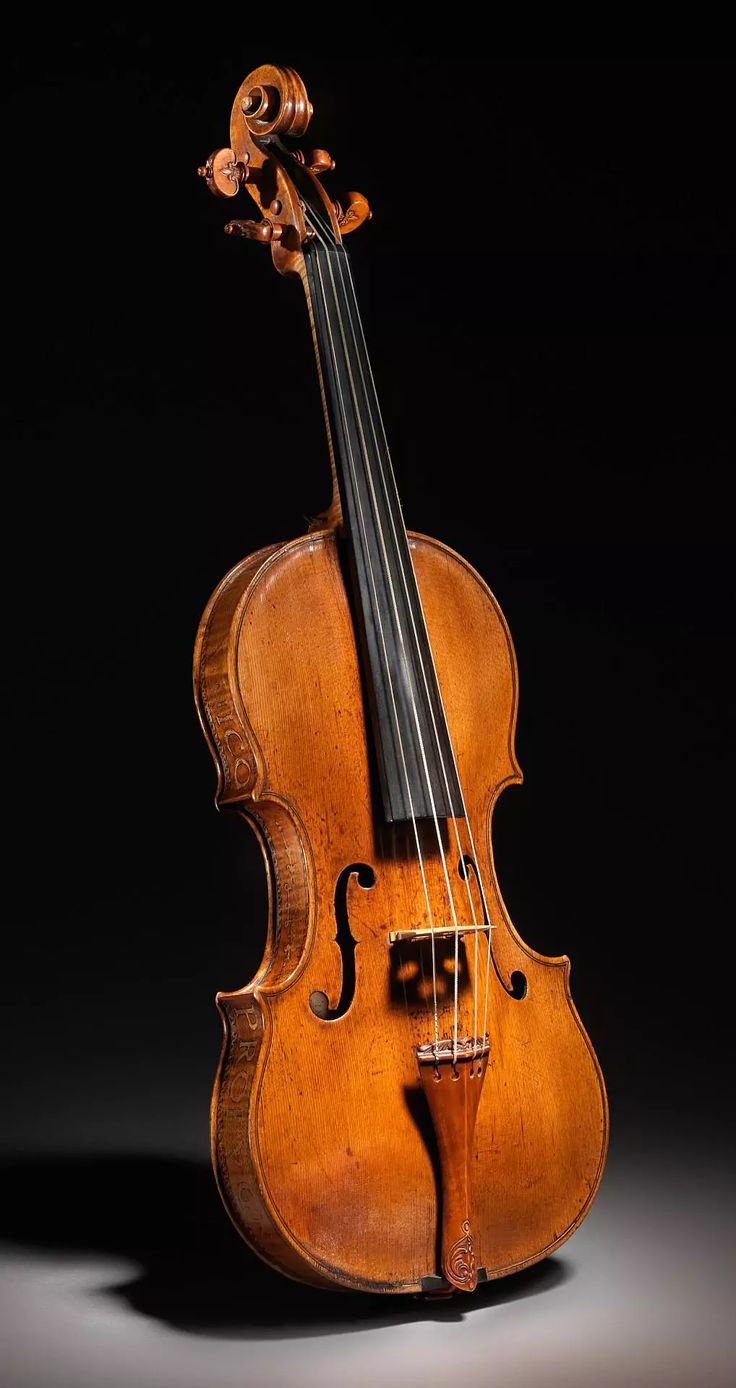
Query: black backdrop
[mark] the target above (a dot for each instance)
(545, 286)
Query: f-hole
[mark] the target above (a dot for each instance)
(519, 984)
(465, 867)
(319, 1002)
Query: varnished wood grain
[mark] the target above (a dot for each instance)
(322, 1140)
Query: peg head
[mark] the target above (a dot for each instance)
(270, 112)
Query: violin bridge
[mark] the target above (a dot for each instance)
(440, 932)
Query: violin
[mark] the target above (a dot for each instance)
(406, 1099)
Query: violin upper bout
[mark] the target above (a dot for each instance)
(224, 720)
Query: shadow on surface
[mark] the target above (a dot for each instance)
(196, 1274)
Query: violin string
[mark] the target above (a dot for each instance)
(324, 233)
(424, 678)
(486, 914)
(383, 643)
(396, 835)
(397, 831)
(353, 474)
(394, 603)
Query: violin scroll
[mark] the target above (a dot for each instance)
(272, 103)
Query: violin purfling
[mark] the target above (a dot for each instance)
(406, 1099)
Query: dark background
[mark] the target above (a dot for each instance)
(547, 291)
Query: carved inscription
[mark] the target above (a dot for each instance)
(237, 759)
(290, 883)
(233, 1149)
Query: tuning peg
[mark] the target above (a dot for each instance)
(355, 212)
(256, 231)
(318, 161)
(224, 174)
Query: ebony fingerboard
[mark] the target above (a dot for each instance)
(413, 751)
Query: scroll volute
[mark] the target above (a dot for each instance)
(273, 101)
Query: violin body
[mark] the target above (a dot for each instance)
(350, 1148)
(325, 1165)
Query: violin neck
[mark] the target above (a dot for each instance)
(416, 764)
